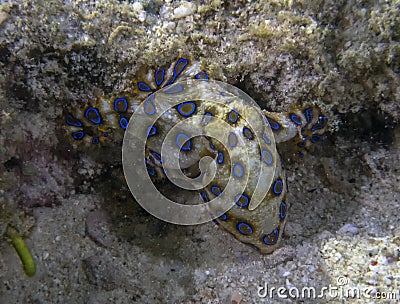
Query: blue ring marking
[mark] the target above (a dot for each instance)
(174, 90)
(232, 139)
(273, 124)
(207, 117)
(202, 75)
(105, 134)
(235, 117)
(151, 131)
(72, 121)
(148, 107)
(156, 156)
(316, 137)
(180, 66)
(278, 186)
(273, 235)
(296, 119)
(144, 87)
(123, 122)
(78, 135)
(308, 114)
(95, 140)
(96, 120)
(116, 104)
(151, 170)
(223, 94)
(220, 157)
(282, 210)
(216, 190)
(178, 69)
(222, 216)
(159, 76)
(301, 144)
(242, 226)
(266, 139)
(320, 124)
(248, 133)
(240, 204)
(240, 168)
(212, 146)
(193, 108)
(204, 196)
(300, 154)
(266, 156)
(185, 142)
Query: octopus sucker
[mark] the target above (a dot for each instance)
(236, 141)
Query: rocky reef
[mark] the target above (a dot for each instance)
(92, 243)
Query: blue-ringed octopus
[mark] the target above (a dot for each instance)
(260, 223)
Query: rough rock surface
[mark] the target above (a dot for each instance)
(343, 228)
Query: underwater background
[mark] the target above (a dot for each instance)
(70, 229)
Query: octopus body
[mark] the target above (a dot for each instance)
(240, 141)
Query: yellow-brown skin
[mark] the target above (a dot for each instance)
(265, 218)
